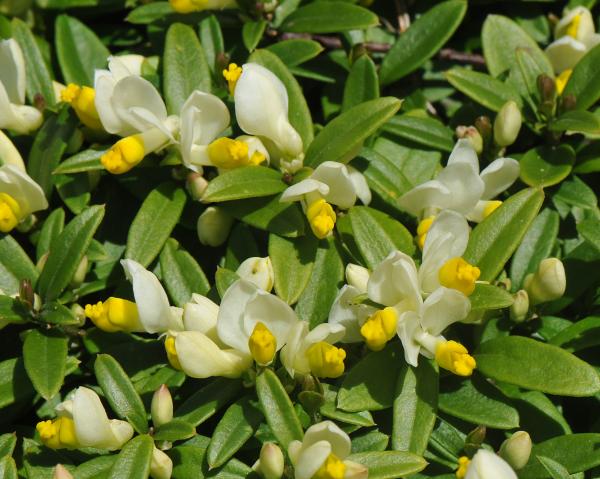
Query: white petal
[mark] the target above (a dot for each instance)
(442, 308)
(564, 53)
(26, 192)
(328, 332)
(463, 152)
(9, 155)
(336, 176)
(330, 432)
(487, 465)
(258, 271)
(393, 280)
(477, 214)
(431, 194)
(201, 315)
(104, 84)
(310, 459)
(292, 355)
(351, 316)
(357, 276)
(230, 322)
(255, 145)
(12, 73)
(122, 66)
(296, 192)
(122, 431)
(408, 327)
(361, 188)
(464, 183)
(498, 176)
(92, 426)
(136, 92)
(22, 119)
(585, 26)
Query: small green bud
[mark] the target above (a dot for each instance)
(516, 450)
(547, 283)
(80, 272)
(196, 185)
(472, 134)
(271, 462)
(547, 88)
(507, 124)
(162, 406)
(520, 306)
(213, 226)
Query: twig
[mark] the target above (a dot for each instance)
(461, 57)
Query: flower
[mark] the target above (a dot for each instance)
(330, 183)
(484, 465)
(460, 186)
(322, 454)
(9, 155)
(82, 100)
(258, 271)
(189, 6)
(19, 196)
(82, 422)
(574, 35)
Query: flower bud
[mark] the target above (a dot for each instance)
(79, 313)
(213, 226)
(161, 466)
(487, 465)
(61, 472)
(472, 134)
(354, 470)
(270, 463)
(162, 406)
(357, 276)
(516, 450)
(547, 283)
(507, 124)
(258, 271)
(520, 306)
(546, 87)
(484, 127)
(196, 185)
(569, 102)
(80, 272)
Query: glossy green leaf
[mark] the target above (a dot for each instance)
(547, 165)
(295, 51)
(389, 464)
(583, 84)
(12, 310)
(175, 430)
(45, 357)
(252, 33)
(97, 468)
(205, 402)
(8, 441)
(211, 39)
(487, 296)
(362, 83)
(421, 130)
(15, 265)
(133, 462)
(86, 160)
(52, 227)
(577, 121)
(329, 17)
(330, 410)
(581, 335)
(15, 385)
(555, 469)
(56, 313)
(245, 182)
(224, 278)
(8, 468)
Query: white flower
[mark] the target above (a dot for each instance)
(82, 422)
(19, 195)
(14, 115)
(258, 271)
(487, 465)
(324, 449)
(460, 186)
(9, 155)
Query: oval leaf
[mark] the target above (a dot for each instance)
(422, 130)
(329, 17)
(389, 464)
(583, 83)
(45, 358)
(245, 182)
(133, 462)
(547, 165)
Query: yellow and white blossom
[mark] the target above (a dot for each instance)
(323, 453)
(461, 187)
(258, 271)
(14, 114)
(19, 196)
(484, 465)
(82, 422)
(331, 183)
(190, 6)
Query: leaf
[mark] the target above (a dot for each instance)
(292, 261)
(537, 245)
(97, 468)
(205, 402)
(8, 468)
(493, 241)
(581, 335)
(371, 235)
(547, 165)
(329, 17)
(86, 160)
(389, 464)
(484, 89)
(299, 113)
(8, 441)
(211, 39)
(424, 131)
(67, 251)
(295, 51)
(55, 313)
(583, 83)
(501, 37)
(15, 266)
(252, 33)
(245, 182)
(181, 274)
(329, 410)
(342, 138)
(577, 121)
(154, 223)
(487, 296)
(15, 386)
(38, 78)
(12, 310)
(224, 278)
(237, 425)
(422, 40)
(185, 66)
(174, 430)
(555, 469)
(277, 408)
(119, 392)
(533, 365)
(52, 227)
(45, 357)
(80, 52)
(362, 84)
(133, 462)
(415, 407)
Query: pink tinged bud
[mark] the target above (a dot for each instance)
(271, 461)
(61, 472)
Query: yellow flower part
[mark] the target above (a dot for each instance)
(10, 213)
(82, 100)
(562, 80)
(228, 153)
(491, 207)
(463, 464)
(573, 27)
(115, 314)
(325, 360)
(455, 358)
(232, 74)
(58, 433)
(262, 344)
(423, 229)
(380, 328)
(172, 353)
(321, 217)
(188, 6)
(124, 155)
(332, 468)
(456, 273)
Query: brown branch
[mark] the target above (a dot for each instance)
(461, 57)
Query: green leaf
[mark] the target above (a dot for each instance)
(342, 138)
(12, 310)
(224, 278)
(493, 241)
(55, 313)
(181, 273)
(175, 430)
(52, 227)
(252, 33)
(149, 13)
(211, 39)
(367, 386)
(478, 402)
(38, 78)
(97, 468)
(80, 52)
(278, 409)
(8, 441)
(119, 392)
(67, 251)
(292, 261)
(86, 160)
(583, 84)
(421, 130)
(577, 121)
(555, 469)
(501, 37)
(8, 468)
(45, 357)
(15, 386)
(575, 192)
(487, 296)
(371, 235)
(533, 365)
(329, 410)
(205, 402)
(245, 182)
(389, 464)
(295, 51)
(185, 66)
(581, 335)
(547, 165)
(484, 89)
(422, 40)
(154, 223)
(75, 190)
(237, 425)
(15, 266)
(329, 17)
(415, 407)
(133, 462)
(362, 83)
